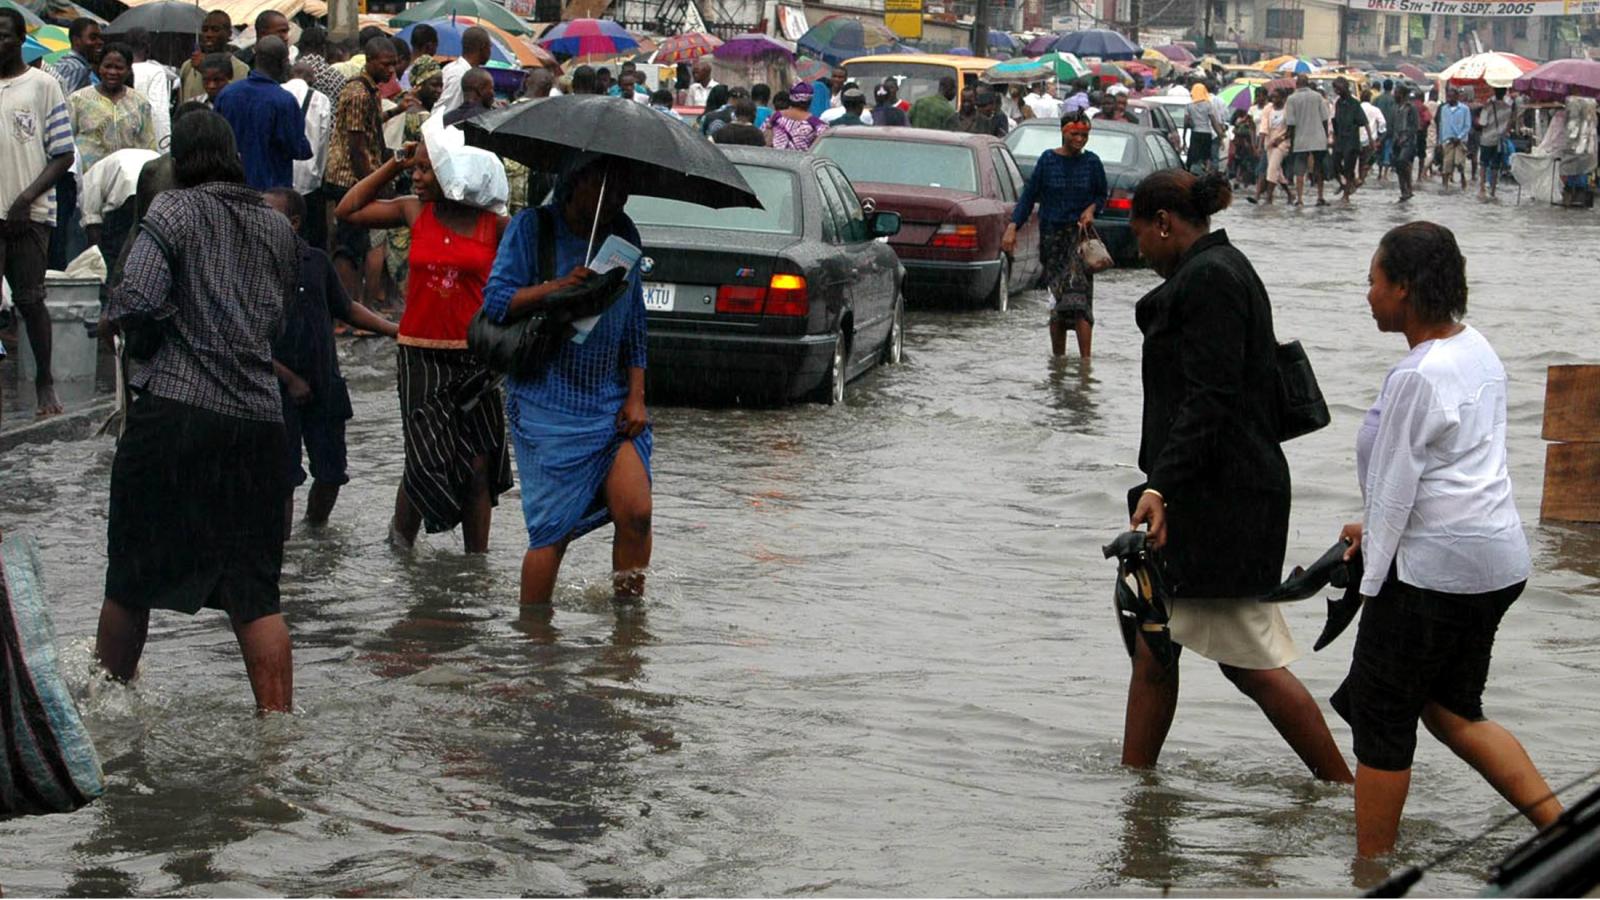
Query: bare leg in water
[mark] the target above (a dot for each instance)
(476, 511)
(1153, 701)
(263, 642)
(1085, 330)
(1489, 748)
(627, 495)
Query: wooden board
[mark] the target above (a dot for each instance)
(1572, 404)
(1571, 483)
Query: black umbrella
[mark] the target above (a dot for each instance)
(165, 17)
(666, 159)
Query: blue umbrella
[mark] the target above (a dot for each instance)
(999, 40)
(1099, 42)
(32, 50)
(838, 38)
(450, 31)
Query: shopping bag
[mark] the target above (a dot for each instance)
(1096, 258)
(47, 761)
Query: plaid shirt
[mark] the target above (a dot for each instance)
(238, 264)
(358, 111)
(74, 73)
(325, 79)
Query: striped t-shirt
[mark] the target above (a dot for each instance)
(33, 130)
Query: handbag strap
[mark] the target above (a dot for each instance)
(547, 244)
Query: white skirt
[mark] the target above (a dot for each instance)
(1245, 634)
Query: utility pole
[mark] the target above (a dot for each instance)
(343, 20)
(980, 30)
(1133, 27)
(1344, 31)
(1206, 45)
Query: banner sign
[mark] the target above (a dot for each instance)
(904, 17)
(1485, 8)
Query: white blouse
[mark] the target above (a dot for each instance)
(1431, 455)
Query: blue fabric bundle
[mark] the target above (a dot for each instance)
(47, 760)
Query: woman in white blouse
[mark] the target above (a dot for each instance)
(1443, 547)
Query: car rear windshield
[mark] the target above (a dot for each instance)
(775, 188)
(1115, 148)
(917, 80)
(903, 162)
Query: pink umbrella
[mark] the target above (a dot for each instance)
(1176, 53)
(1561, 78)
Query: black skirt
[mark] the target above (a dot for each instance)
(452, 412)
(196, 511)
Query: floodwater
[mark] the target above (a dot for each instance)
(876, 657)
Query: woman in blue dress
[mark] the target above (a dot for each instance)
(579, 427)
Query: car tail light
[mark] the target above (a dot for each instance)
(1120, 204)
(784, 295)
(787, 296)
(742, 299)
(956, 237)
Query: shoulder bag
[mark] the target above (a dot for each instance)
(523, 347)
(1301, 409)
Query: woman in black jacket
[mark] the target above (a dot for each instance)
(1216, 497)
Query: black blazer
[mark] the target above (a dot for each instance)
(1209, 441)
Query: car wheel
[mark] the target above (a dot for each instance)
(832, 393)
(895, 348)
(1000, 297)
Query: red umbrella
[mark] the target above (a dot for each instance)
(687, 47)
(1413, 73)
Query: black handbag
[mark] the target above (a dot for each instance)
(523, 347)
(1301, 409)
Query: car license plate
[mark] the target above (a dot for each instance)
(658, 297)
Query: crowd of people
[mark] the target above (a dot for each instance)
(287, 188)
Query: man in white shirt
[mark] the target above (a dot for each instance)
(317, 111)
(700, 89)
(1044, 105)
(1372, 135)
(107, 187)
(474, 53)
(156, 82)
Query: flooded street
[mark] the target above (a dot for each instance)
(877, 654)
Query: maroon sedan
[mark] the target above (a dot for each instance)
(954, 193)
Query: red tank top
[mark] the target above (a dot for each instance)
(444, 289)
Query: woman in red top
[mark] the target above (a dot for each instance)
(453, 417)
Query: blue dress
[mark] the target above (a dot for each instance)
(563, 421)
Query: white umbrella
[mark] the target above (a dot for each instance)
(1494, 69)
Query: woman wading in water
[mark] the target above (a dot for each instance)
(1217, 495)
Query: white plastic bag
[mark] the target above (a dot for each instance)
(469, 175)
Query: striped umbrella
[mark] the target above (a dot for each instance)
(1297, 67)
(1493, 69)
(687, 47)
(588, 37)
(1067, 66)
(808, 69)
(1237, 96)
(1018, 71)
(32, 50)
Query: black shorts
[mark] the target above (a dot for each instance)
(1416, 647)
(322, 437)
(1309, 162)
(1490, 157)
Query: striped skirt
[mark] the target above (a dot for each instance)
(451, 414)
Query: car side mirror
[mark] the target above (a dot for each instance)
(885, 224)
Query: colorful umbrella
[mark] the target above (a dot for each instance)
(450, 32)
(838, 38)
(588, 37)
(53, 37)
(1271, 65)
(529, 54)
(1097, 42)
(808, 69)
(30, 19)
(32, 50)
(686, 47)
(1237, 96)
(1110, 73)
(478, 9)
(1297, 67)
(1067, 67)
(750, 47)
(1561, 78)
(1493, 69)
(1018, 71)
(1176, 53)
(1139, 70)
(1412, 72)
